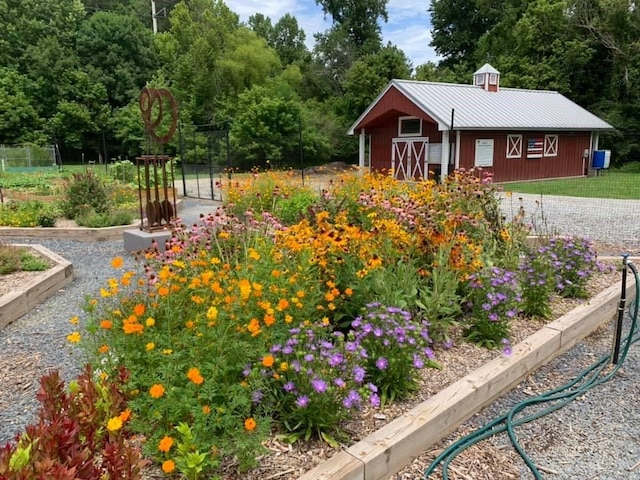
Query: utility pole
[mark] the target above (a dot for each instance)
(153, 17)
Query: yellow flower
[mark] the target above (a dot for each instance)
(117, 262)
(74, 337)
(114, 424)
(165, 444)
(150, 322)
(156, 391)
(212, 314)
(74, 320)
(168, 466)
(150, 346)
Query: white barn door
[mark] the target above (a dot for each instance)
(410, 158)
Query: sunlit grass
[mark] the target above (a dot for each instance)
(609, 184)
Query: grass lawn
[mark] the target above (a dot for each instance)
(610, 184)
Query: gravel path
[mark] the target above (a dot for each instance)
(595, 438)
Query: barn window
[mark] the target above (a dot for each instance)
(493, 79)
(480, 79)
(514, 146)
(534, 147)
(551, 145)
(409, 127)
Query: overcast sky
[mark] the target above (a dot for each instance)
(408, 26)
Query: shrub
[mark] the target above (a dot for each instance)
(575, 262)
(13, 259)
(396, 346)
(536, 274)
(85, 191)
(315, 381)
(494, 296)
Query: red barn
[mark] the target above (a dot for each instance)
(415, 127)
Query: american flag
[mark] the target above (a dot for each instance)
(534, 147)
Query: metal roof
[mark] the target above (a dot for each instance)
(506, 109)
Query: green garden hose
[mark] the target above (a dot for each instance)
(559, 397)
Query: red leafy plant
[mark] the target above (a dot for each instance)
(79, 434)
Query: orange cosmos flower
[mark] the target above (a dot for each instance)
(125, 415)
(117, 262)
(206, 409)
(269, 320)
(165, 444)
(106, 324)
(194, 375)
(156, 391)
(130, 328)
(254, 327)
(163, 291)
(103, 349)
(168, 466)
(250, 424)
(283, 304)
(138, 310)
(268, 360)
(189, 324)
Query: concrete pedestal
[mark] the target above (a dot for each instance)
(137, 240)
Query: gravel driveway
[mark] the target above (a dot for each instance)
(597, 437)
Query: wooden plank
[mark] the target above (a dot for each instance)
(342, 465)
(12, 305)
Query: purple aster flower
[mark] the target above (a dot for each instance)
(308, 357)
(378, 332)
(374, 399)
(382, 363)
(417, 362)
(247, 370)
(336, 359)
(289, 387)
(428, 353)
(350, 346)
(276, 348)
(339, 382)
(296, 366)
(353, 399)
(358, 374)
(493, 317)
(372, 387)
(302, 401)
(256, 397)
(287, 350)
(319, 385)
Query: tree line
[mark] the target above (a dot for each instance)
(71, 70)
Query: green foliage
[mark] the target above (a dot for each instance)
(397, 348)
(292, 208)
(438, 300)
(25, 213)
(493, 301)
(124, 171)
(91, 219)
(71, 426)
(85, 191)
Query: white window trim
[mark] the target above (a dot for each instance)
(413, 134)
(551, 145)
(479, 79)
(514, 146)
(493, 79)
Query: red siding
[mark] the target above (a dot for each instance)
(391, 102)
(568, 163)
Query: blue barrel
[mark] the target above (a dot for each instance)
(598, 159)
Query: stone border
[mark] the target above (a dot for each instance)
(396, 444)
(18, 302)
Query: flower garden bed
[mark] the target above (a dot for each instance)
(286, 318)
